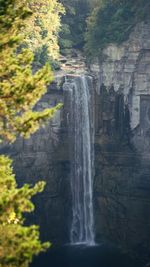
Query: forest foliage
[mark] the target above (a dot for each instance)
(21, 88)
(42, 31)
(94, 24)
(73, 25)
(112, 21)
(43, 26)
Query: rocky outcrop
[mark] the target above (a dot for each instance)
(122, 143)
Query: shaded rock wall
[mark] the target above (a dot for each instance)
(122, 143)
(45, 157)
(127, 67)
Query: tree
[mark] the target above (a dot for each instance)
(73, 24)
(17, 242)
(20, 90)
(43, 26)
(112, 22)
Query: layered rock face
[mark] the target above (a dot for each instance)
(122, 144)
(45, 157)
(127, 67)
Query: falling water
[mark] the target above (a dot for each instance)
(82, 228)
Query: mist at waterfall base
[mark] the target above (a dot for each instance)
(82, 250)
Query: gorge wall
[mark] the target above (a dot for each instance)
(45, 156)
(122, 150)
(122, 141)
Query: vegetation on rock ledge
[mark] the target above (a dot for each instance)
(112, 22)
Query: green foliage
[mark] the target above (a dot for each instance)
(41, 58)
(20, 90)
(17, 242)
(43, 27)
(73, 24)
(112, 22)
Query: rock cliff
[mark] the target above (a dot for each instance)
(127, 68)
(122, 150)
(45, 157)
(122, 143)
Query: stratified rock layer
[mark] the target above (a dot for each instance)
(127, 67)
(45, 157)
(122, 144)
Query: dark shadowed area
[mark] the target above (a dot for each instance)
(103, 255)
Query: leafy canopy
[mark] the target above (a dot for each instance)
(43, 26)
(73, 24)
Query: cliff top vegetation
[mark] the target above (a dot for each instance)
(112, 21)
(94, 24)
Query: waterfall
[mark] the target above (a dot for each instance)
(82, 135)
